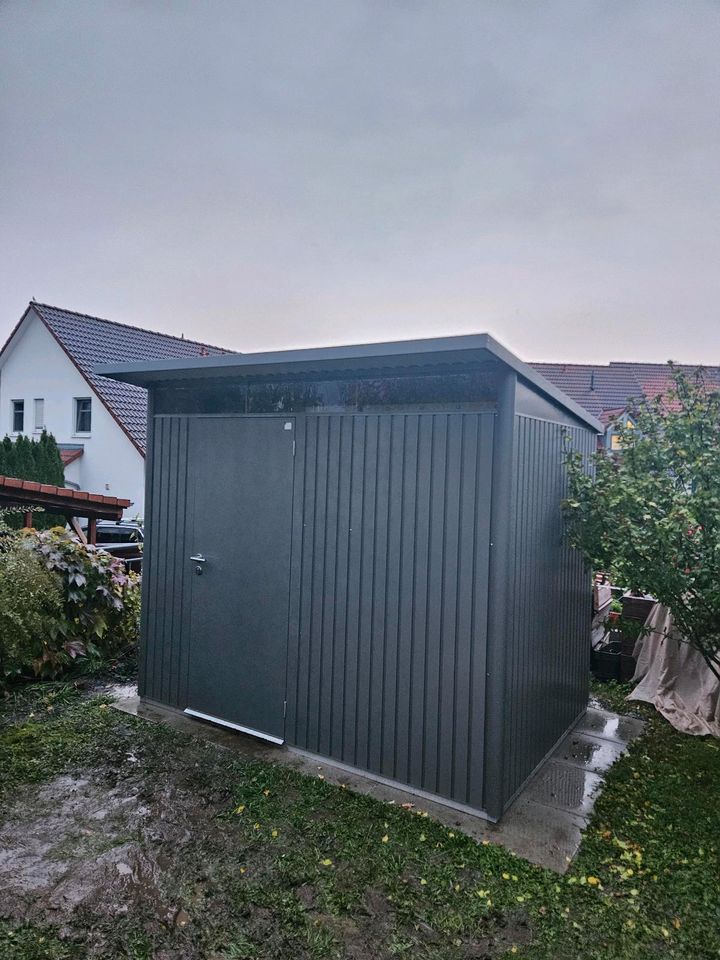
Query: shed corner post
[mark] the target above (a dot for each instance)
(147, 534)
(500, 594)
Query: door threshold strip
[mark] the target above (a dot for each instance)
(233, 726)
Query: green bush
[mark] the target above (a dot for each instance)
(76, 601)
(30, 607)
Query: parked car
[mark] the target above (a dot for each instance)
(123, 539)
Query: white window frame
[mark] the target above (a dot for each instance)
(12, 414)
(76, 416)
(39, 414)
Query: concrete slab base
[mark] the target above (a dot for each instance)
(545, 822)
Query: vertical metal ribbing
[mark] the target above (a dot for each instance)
(546, 666)
(393, 605)
(500, 593)
(164, 619)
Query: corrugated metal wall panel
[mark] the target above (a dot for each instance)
(549, 638)
(387, 659)
(163, 661)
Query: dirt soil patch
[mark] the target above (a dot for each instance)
(168, 847)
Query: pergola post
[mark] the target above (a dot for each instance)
(92, 530)
(27, 519)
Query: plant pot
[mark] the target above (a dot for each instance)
(627, 667)
(627, 646)
(637, 607)
(605, 661)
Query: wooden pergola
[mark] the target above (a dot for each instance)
(29, 495)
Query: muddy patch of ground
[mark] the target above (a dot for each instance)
(86, 847)
(86, 844)
(149, 844)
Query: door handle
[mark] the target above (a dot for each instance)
(199, 558)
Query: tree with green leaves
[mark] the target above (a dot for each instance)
(650, 515)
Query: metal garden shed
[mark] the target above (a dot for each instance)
(358, 551)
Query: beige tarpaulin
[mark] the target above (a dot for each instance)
(675, 678)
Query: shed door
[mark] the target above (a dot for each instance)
(241, 475)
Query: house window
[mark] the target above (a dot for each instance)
(39, 414)
(83, 414)
(18, 416)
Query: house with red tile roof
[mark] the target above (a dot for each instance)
(608, 391)
(47, 382)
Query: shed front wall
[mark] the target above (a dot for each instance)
(548, 643)
(166, 582)
(390, 570)
(388, 591)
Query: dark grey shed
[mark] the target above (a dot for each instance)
(358, 551)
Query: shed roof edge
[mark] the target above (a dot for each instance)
(440, 349)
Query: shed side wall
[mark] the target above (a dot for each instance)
(548, 646)
(390, 569)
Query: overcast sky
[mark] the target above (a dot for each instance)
(271, 174)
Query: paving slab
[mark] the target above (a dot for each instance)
(564, 786)
(606, 725)
(589, 752)
(544, 824)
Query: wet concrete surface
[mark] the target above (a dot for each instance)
(545, 822)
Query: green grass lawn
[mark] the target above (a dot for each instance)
(252, 860)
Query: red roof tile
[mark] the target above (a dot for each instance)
(70, 456)
(605, 390)
(61, 494)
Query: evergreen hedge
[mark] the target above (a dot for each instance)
(30, 459)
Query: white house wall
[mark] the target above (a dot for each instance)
(34, 365)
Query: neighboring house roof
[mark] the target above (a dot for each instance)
(91, 340)
(606, 390)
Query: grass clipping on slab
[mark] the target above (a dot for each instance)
(126, 839)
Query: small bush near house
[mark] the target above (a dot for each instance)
(61, 600)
